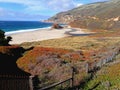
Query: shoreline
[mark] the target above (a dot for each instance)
(44, 34)
(24, 30)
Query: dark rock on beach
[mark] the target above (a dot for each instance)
(56, 26)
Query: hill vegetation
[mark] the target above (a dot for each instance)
(54, 58)
(100, 15)
(108, 78)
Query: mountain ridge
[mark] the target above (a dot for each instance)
(106, 15)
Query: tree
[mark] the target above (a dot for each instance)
(4, 41)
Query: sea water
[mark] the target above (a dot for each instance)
(10, 27)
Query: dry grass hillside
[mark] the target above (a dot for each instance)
(92, 42)
(99, 15)
(54, 58)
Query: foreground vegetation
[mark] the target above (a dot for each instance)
(108, 78)
(96, 41)
(4, 41)
(53, 60)
(50, 56)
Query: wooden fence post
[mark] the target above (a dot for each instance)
(31, 82)
(72, 79)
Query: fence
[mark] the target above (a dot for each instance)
(15, 82)
(104, 59)
(56, 84)
(109, 57)
(71, 80)
(23, 82)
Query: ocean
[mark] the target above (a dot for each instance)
(11, 27)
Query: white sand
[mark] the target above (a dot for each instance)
(39, 35)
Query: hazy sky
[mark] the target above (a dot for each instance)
(36, 9)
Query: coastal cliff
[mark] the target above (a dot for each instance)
(100, 15)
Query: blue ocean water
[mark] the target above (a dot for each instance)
(22, 26)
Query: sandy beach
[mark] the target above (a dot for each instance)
(43, 34)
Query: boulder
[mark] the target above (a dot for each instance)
(56, 26)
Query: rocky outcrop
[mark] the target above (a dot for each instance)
(56, 26)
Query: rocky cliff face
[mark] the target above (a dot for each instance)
(103, 15)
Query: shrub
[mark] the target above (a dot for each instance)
(4, 41)
(50, 56)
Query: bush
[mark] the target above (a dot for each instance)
(4, 41)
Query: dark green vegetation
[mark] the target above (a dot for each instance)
(100, 15)
(4, 40)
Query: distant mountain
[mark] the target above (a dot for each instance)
(99, 15)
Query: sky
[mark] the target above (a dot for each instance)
(36, 10)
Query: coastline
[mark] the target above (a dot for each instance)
(24, 30)
(44, 34)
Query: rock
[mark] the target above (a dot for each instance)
(106, 84)
(56, 26)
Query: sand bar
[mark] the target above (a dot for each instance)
(43, 34)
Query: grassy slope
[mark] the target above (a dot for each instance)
(93, 42)
(99, 42)
(108, 78)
